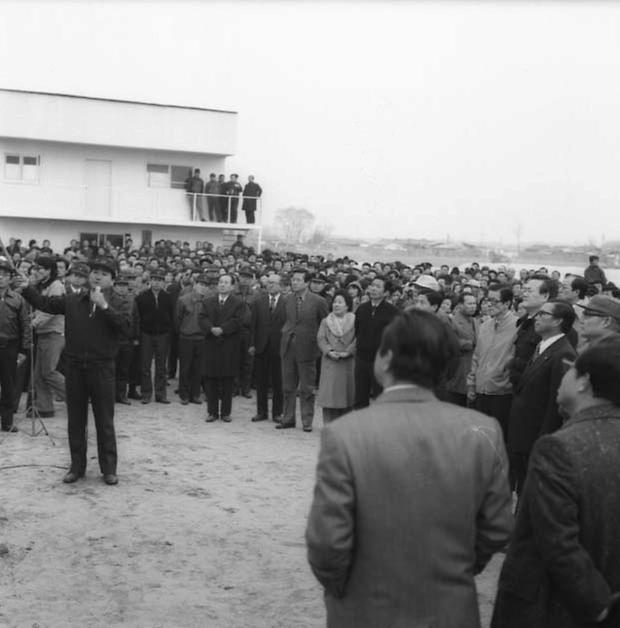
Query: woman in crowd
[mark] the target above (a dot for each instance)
(336, 340)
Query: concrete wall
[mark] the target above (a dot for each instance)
(61, 232)
(113, 123)
(61, 192)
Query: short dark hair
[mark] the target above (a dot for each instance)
(593, 257)
(347, 299)
(602, 364)
(550, 287)
(302, 271)
(505, 292)
(387, 283)
(564, 311)
(461, 297)
(423, 347)
(580, 284)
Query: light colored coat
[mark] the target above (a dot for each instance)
(411, 500)
(337, 383)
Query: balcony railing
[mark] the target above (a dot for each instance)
(124, 204)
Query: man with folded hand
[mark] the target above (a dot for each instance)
(95, 320)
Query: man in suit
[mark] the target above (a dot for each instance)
(371, 318)
(534, 409)
(411, 497)
(155, 314)
(299, 350)
(562, 569)
(268, 316)
(220, 320)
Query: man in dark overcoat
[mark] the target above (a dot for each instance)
(221, 319)
(562, 569)
(534, 410)
(251, 192)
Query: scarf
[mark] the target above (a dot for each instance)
(339, 326)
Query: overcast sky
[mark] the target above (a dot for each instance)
(408, 119)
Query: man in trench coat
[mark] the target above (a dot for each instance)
(220, 320)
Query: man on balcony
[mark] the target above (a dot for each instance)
(233, 189)
(251, 192)
(194, 186)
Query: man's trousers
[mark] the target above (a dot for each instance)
(191, 357)
(94, 382)
(268, 372)
(296, 375)
(154, 346)
(48, 382)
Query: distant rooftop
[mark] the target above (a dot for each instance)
(132, 102)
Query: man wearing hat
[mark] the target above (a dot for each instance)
(78, 276)
(601, 321)
(154, 310)
(246, 294)
(15, 339)
(94, 322)
(124, 357)
(191, 340)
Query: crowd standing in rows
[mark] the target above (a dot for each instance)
(531, 349)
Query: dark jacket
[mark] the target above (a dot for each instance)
(563, 562)
(14, 321)
(534, 409)
(155, 318)
(266, 327)
(250, 189)
(369, 327)
(594, 274)
(222, 353)
(525, 345)
(91, 335)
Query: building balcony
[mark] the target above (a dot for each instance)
(128, 205)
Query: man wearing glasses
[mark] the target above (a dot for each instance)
(534, 409)
(601, 320)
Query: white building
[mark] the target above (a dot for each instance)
(92, 168)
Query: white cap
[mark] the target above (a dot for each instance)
(428, 282)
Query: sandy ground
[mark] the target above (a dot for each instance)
(206, 527)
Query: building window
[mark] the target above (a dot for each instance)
(21, 167)
(163, 176)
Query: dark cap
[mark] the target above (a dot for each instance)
(105, 264)
(203, 278)
(158, 273)
(246, 271)
(318, 277)
(602, 305)
(79, 268)
(122, 280)
(45, 261)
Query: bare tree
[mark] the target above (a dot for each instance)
(295, 223)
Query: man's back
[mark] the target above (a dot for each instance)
(412, 498)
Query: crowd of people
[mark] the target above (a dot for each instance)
(217, 200)
(115, 324)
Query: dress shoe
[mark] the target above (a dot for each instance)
(146, 400)
(197, 401)
(110, 478)
(10, 428)
(307, 428)
(184, 402)
(285, 426)
(226, 419)
(277, 419)
(210, 419)
(134, 395)
(247, 394)
(123, 399)
(162, 400)
(258, 417)
(71, 477)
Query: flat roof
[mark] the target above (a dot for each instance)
(131, 102)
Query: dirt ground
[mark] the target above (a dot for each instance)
(205, 528)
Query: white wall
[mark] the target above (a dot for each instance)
(60, 232)
(113, 123)
(60, 190)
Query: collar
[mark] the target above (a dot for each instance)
(302, 296)
(545, 344)
(222, 299)
(406, 392)
(602, 411)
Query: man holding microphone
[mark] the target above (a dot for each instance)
(95, 320)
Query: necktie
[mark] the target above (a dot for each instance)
(272, 304)
(536, 353)
(299, 302)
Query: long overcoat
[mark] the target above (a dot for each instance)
(222, 352)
